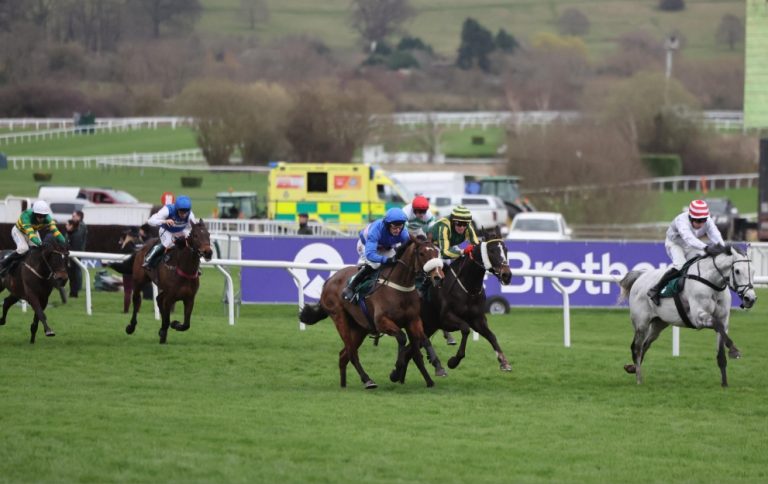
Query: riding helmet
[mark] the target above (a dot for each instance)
(41, 207)
(420, 203)
(461, 213)
(698, 209)
(395, 216)
(183, 203)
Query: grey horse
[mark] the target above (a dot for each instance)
(704, 300)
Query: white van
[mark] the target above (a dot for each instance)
(488, 211)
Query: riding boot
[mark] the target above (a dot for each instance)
(349, 292)
(6, 263)
(149, 259)
(655, 292)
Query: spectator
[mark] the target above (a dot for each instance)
(303, 227)
(77, 233)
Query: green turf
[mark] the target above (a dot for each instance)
(260, 402)
(147, 185)
(439, 22)
(115, 143)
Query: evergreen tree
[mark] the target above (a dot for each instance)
(506, 42)
(476, 44)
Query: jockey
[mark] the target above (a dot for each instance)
(419, 216)
(683, 241)
(376, 246)
(175, 221)
(451, 231)
(25, 231)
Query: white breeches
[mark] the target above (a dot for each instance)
(22, 245)
(167, 237)
(361, 252)
(679, 255)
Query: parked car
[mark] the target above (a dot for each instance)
(539, 226)
(724, 214)
(488, 211)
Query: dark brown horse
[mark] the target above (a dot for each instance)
(177, 278)
(393, 304)
(33, 279)
(459, 304)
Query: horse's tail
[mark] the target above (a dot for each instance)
(312, 313)
(626, 284)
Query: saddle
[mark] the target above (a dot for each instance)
(676, 285)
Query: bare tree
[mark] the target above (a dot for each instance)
(170, 13)
(329, 122)
(730, 31)
(374, 20)
(253, 12)
(573, 22)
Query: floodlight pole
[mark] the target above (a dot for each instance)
(671, 44)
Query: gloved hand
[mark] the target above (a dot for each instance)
(468, 249)
(455, 249)
(390, 261)
(712, 249)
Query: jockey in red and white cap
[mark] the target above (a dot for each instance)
(684, 242)
(419, 215)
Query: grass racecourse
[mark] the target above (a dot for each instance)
(260, 402)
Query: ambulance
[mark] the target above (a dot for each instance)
(348, 195)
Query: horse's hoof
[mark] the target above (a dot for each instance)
(430, 384)
(734, 354)
(370, 385)
(394, 377)
(453, 362)
(630, 369)
(505, 367)
(50, 333)
(2, 322)
(130, 329)
(441, 372)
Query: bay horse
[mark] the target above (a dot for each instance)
(33, 278)
(704, 300)
(177, 278)
(459, 304)
(393, 304)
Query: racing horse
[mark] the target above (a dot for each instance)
(703, 303)
(33, 278)
(393, 305)
(459, 304)
(177, 278)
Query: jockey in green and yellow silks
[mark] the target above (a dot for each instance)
(25, 232)
(451, 231)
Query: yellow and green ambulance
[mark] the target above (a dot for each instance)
(345, 194)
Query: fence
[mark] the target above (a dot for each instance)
(220, 264)
(186, 159)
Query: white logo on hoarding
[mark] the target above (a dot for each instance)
(318, 253)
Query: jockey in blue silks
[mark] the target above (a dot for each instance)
(175, 221)
(376, 246)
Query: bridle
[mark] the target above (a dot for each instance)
(485, 261)
(44, 258)
(726, 281)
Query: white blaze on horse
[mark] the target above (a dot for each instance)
(704, 302)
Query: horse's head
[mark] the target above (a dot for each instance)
(492, 256)
(427, 259)
(55, 256)
(199, 240)
(742, 273)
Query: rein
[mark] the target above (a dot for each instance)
(51, 272)
(727, 282)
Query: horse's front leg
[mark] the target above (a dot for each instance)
(722, 361)
(722, 334)
(417, 337)
(481, 326)
(38, 305)
(189, 303)
(401, 363)
(433, 358)
(138, 293)
(165, 317)
(452, 321)
(7, 303)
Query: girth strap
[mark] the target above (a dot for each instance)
(681, 311)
